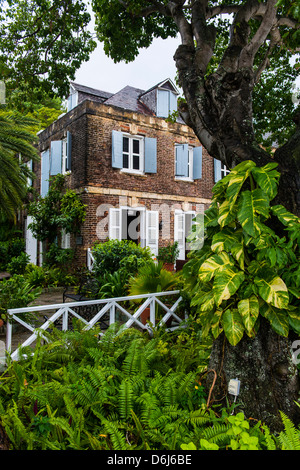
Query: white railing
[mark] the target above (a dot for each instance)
(105, 309)
(90, 259)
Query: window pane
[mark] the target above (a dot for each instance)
(136, 146)
(136, 162)
(125, 144)
(125, 160)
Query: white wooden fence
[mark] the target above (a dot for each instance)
(105, 309)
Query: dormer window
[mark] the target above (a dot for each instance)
(72, 100)
(166, 102)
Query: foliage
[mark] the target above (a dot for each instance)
(113, 255)
(45, 277)
(57, 256)
(246, 268)
(169, 253)
(9, 249)
(42, 44)
(16, 149)
(153, 278)
(59, 209)
(124, 392)
(17, 264)
(16, 292)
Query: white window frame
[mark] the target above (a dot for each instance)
(64, 157)
(130, 153)
(224, 170)
(190, 165)
(65, 239)
(180, 231)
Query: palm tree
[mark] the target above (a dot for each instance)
(16, 149)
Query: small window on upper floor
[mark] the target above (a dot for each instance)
(166, 103)
(220, 170)
(188, 162)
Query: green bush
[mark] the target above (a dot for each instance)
(10, 249)
(16, 292)
(116, 254)
(17, 264)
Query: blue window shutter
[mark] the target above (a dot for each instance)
(117, 149)
(150, 155)
(45, 170)
(173, 102)
(217, 170)
(197, 163)
(162, 103)
(55, 157)
(69, 151)
(182, 160)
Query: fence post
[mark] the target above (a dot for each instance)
(65, 320)
(152, 311)
(112, 313)
(8, 335)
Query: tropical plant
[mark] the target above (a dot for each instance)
(16, 149)
(249, 264)
(153, 278)
(169, 253)
(16, 292)
(17, 264)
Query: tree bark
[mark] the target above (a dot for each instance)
(268, 376)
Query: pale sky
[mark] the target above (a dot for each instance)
(152, 66)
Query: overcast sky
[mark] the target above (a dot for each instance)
(152, 66)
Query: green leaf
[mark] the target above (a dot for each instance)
(213, 265)
(273, 291)
(294, 319)
(233, 326)
(249, 311)
(227, 213)
(225, 239)
(278, 319)
(284, 216)
(237, 177)
(251, 204)
(226, 284)
(267, 178)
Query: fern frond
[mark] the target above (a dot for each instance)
(290, 437)
(117, 438)
(125, 399)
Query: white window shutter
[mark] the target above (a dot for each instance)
(115, 224)
(182, 160)
(179, 233)
(217, 170)
(197, 163)
(173, 102)
(69, 151)
(117, 149)
(56, 157)
(152, 232)
(150, 155)
(45, 172)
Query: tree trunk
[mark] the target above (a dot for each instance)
(268, 376)
(219, 110)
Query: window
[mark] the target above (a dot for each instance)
(65, 239)
(64, 157)
(220, 170)
(133, 153)
(188, 162)
(166, 103)
(183, 222)
(60, 155)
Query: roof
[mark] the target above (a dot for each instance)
(91, 91)
(128, 98)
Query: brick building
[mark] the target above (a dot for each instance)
(141, 177)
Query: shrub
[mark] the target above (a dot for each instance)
(10, 249)
(16, 292)
(18, 264)
(116, 254)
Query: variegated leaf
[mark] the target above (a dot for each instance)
(273, 291)
(212, 265)
(267, 178)
(226, 284)
(278, 319)
(233, 326)
(249, 311)
(251, 204)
